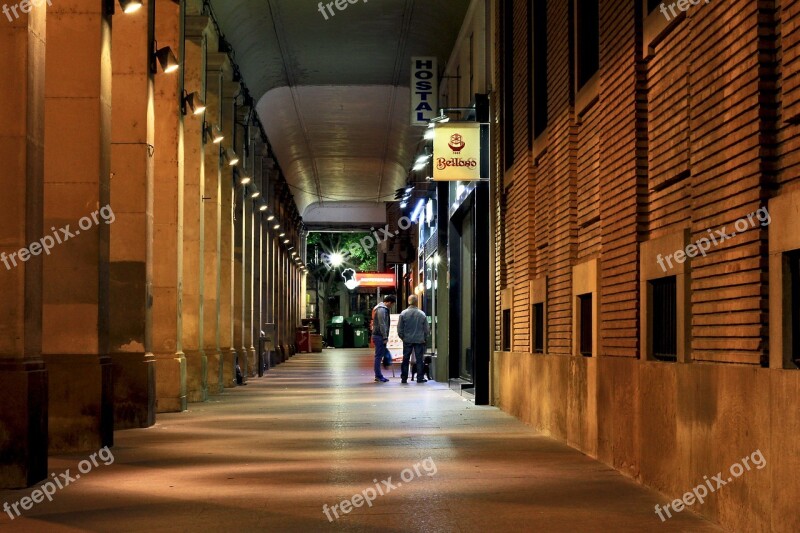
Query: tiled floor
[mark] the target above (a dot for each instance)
(317, 431)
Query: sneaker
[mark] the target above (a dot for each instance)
(423, 380)
(381, 380)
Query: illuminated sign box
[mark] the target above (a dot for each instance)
(424, 90)
(457, 151)
(371, 279)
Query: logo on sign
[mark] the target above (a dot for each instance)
(457, 143)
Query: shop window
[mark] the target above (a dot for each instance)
(537, 322)
(794, 309)
(538, 57)
(585, 321)
(665, 319)
(506, 330)
(587, 40)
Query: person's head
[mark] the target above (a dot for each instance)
(412, 300)
(389, 300)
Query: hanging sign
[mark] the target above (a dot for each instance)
(374, 279)
(457, 151)
(424, 90)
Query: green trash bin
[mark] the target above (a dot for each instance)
(337, 331)
(357, 321)
(360, 338)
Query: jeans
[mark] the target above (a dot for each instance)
(380, 350)
(419, 353)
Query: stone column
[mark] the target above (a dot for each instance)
(168, 220)
(23, 377)
(131, 261)
(193, 218)
(77, 167)
(212, 214)
(249, 266)
(227, 241)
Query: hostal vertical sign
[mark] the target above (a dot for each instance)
(424, 90)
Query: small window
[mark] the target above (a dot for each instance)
(585, 317)
(508, 82)
(537, 320)
(587, 40)
(794, 281)
(538, 54)
(506, 330)
(665, 319)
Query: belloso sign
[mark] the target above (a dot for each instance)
(457, 151)
(424, 90)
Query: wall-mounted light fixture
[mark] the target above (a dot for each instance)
(194, 102)
(256, 194)
(230, 157)
(276, 226)
(262, 208)
(283, 234)
(130, 6)
(214, 134)
(244, 179)
(270, 218)
(165, 58)
(286, 241)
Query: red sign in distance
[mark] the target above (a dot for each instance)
(375, 279)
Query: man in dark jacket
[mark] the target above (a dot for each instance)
(413, 330)
(381, 321)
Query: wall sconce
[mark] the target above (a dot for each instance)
(276, 226)
(230, 157)
(270, 218)
(130, 6)
(283, 234)
(215, 134)
(286, 241)
(164, 57)
(262, 208)
(255, 194)
(244, 179)
(193, 102)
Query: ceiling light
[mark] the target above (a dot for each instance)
(256, 194)
(429, 134)
(283, 234)
(276, 226)
(286, 241)
(130, 6)
(271, 218)
(213, 133)
(262, 208)
(403, 205)
(167, 60)
(421, 160)
(244, 179)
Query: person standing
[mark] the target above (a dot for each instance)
(381, 321)
(413, 330)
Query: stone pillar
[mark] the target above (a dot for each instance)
(193, 219)
(227, 241)
(131, 261)
(23, 377)
(168, 220)
(76, 280)
(212, 214)
(249, 265)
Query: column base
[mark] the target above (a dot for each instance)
(252, 362)
(23, 418)
(242, 358)
(170, 383)
(196, 376)
(134, 390)
(81, 402)
(228, 368)
(215, 371)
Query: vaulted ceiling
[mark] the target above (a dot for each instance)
(332, 91)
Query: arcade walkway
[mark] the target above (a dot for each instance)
(317, 430)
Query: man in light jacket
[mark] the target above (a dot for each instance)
(381, 321)
(413, 330)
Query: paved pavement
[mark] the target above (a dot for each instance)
(317, 431)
